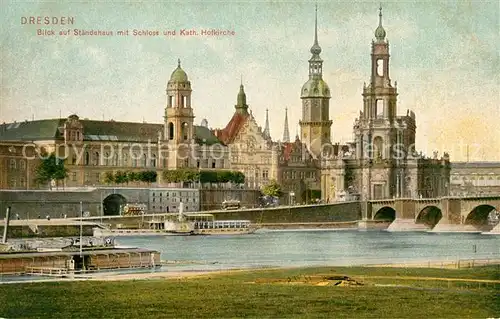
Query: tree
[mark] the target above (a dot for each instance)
(51, 168)
(109, 178)
(272, 189)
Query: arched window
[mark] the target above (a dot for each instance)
(106, 159)
(96, 158)
(134, 160)
(22, 165)
(144, 160)
(12, 164)
(380, 67)
(87, 159)
(185, 130)
(378, 147)
(153, 160)
(379, 108)
(170, 131)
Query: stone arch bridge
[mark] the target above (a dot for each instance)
(466, 214)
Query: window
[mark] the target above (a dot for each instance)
(213, 164)
(153, 160)
(169, 104)
(22, 165)
(379, 108)
(97, 177)
(73, 159)
(87, 159)
(106, 159)
(265, 174)
(144, 160)
(170, 131)
(380, 67)
(12, 163)
(134, 160)
(184, 130)
(73, 176)
(22, 182)
(96, 158)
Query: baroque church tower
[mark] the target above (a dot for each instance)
(380, 103)
(179, 118)
(315, 125)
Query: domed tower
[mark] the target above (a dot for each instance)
(315, 125)
(179, 117)
(380, 99)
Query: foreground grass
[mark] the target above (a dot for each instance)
(234, 295)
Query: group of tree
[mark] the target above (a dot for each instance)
(51, 168)
(125, 177)
(203, 176)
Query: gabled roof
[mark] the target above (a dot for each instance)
(227, 134)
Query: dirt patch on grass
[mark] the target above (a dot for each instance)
(313, 280)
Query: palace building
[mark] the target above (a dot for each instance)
(381, 162)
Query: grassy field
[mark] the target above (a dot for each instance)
(286, 293)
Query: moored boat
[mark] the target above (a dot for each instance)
(185, 225)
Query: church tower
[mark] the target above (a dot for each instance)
(315, 125)
(286, 131)
(379, 132)
(179, 118)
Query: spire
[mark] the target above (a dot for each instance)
(315, 62)
(286, 131)
(178, 63)
(266, 128)
(241, 101)
(316, 49)
(380, 32)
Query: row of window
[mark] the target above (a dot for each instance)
(301, 175)
(175, 193)
(14, 182)
(15, 163)
(473, 178)
(107, 160)
(174, 200)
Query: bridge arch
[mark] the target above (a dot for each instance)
(385, 213)
(429, 215)
(479, 215)
(112, 204)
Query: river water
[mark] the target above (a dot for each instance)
(316, 247)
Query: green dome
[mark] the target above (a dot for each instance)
(179, 75)
(315, 88)
(380, 33)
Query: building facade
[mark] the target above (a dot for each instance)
(475, 178)
(93, 148)
(382, 161)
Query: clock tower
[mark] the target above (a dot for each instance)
(315, 125)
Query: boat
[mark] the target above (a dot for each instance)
(184, 225)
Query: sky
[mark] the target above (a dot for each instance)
(444, 56)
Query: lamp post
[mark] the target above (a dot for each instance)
(81, 230)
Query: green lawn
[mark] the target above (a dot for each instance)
(236, 295)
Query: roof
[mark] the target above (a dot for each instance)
(52, 129)
(120, 131)
(227, 134)
(31, 130)
(474, 164)
(203, 135)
